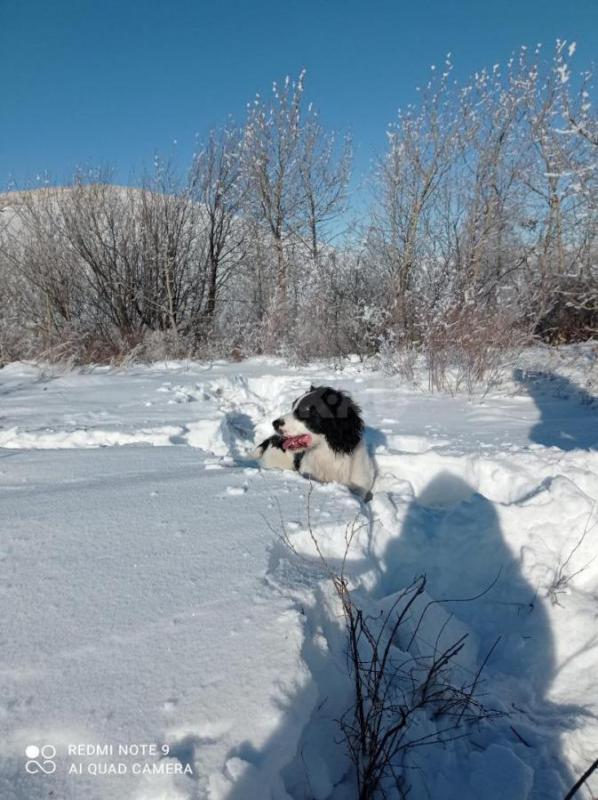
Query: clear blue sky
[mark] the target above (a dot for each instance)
(111, 81)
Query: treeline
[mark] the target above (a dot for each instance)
(481, 231)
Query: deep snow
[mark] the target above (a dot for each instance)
(147, 597)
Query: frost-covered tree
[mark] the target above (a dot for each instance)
(421, 148)
(482, 230)
(324, 171)
(297, 180)
(218, 187)
(271, 157)
(484, 198)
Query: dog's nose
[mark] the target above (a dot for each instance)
(278, 423)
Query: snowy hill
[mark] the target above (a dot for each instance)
(148, 598)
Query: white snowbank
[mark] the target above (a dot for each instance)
(148, 599)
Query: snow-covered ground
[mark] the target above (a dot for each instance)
(155, 625)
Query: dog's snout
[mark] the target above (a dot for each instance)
(278, 423)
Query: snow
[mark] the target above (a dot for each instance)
(149, 599)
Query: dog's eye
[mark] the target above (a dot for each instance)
(303, 412)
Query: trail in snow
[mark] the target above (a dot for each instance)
(148, 597)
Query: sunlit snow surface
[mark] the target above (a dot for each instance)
(147, 598)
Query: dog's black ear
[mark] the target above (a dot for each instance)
(344, 429)
(312, 388)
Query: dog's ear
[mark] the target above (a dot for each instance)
(344, 429)
(312, 388)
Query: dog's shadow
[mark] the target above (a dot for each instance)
(374, 439)
(238, 429)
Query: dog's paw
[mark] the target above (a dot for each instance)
(255, 454)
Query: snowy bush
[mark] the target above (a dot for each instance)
(480, 231)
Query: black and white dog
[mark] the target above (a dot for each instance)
(321, 438)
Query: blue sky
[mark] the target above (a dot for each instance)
(112, 81)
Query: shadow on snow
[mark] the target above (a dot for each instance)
(568, 418)
(452, 535)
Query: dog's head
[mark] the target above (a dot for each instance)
(322, 413)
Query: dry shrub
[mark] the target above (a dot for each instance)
(397, 356)
(161, 346)
(403, 699)
(572, 312)
(468, 349)
(77, 346)
(403, 696)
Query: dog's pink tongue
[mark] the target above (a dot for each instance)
(296, 442)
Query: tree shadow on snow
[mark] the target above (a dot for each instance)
(452, 535)
(567, 420)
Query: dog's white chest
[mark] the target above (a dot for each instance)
(355, 469)
(324, 464)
